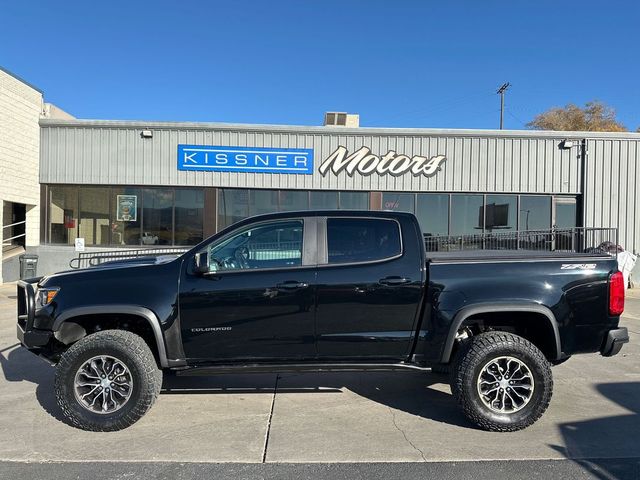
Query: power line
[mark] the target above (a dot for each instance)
(440, 106)
(508, 110)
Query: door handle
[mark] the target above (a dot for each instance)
(291, 285)
(394, 281)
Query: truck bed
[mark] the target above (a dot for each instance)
(488, 255)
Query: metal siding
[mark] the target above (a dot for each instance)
(610, 198)
(520, 162)
(119, 156)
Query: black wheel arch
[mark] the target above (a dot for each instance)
(491, 308)
(141, 312)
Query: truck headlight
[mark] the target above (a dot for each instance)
(44, 296)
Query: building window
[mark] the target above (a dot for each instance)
(126, 216)
(63, 214)
(157, 216)
(466, 214)
(535, 212)
(398, 202)
(263, 201)
(354, 200)
(501, 213)
(189, 215)
(432, 211)
(94, 215)
(233, 206)
(293, 200)
(323, 200)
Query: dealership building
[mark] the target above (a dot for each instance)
(122, 184)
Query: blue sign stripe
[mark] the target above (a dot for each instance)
(245, 159)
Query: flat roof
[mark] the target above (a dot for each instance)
(21, 80)
(448, 132)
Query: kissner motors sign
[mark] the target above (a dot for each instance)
(300, 161)
(245, 159)
(366, 163)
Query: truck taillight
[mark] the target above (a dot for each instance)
(616, 294)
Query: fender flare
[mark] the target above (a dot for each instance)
(123, 309)
(470, 310)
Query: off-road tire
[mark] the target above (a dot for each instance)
(128, 348)
(474, 355)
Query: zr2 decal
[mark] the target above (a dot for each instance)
(578, 266)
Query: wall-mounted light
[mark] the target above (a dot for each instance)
(146, 133)
(566, 144)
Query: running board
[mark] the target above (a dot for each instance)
(298, 367)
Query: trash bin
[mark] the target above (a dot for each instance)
(28, 266)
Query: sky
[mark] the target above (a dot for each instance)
(397, 63)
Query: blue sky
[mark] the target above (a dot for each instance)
(396, 63)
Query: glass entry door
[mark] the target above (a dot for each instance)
(565, 220)
(565, 212)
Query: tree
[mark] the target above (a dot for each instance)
(594, 117)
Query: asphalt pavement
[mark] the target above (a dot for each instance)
(336, 425)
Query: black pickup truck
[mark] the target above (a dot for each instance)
(322, 290)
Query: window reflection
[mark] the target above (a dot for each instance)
(354, 200)
(535, 212)
(323, 200)
(233, 206)
(500, 213)
(94, 215)
(189, 213)
(466, 214)
(268, 245)
(63, 214)
(293, 200)
(432, 211)
(263, 201)
(157, 217)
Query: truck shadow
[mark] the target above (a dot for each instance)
(420, 394)
(19, 365)
(607, 447)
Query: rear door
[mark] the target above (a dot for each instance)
(369, 289)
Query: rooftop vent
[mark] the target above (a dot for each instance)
(341, 119)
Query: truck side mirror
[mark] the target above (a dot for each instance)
(202, 262)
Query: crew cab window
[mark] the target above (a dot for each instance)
(267, 245)
(351, 240)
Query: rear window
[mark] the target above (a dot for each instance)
(352, 240)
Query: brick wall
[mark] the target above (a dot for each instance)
(20, 109)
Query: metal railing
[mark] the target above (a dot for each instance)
(91, 259)
(8, 242)
(11, 225)
(578, 240)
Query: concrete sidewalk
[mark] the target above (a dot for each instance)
(331, 417)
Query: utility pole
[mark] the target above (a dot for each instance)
(501, 91)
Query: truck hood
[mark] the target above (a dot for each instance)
(124, 264)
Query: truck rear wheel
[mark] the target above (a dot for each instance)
(502, 382)
(107, 381)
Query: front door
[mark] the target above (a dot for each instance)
(256, 301)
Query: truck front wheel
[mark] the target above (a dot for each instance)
(502, 381)
(107, 381)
